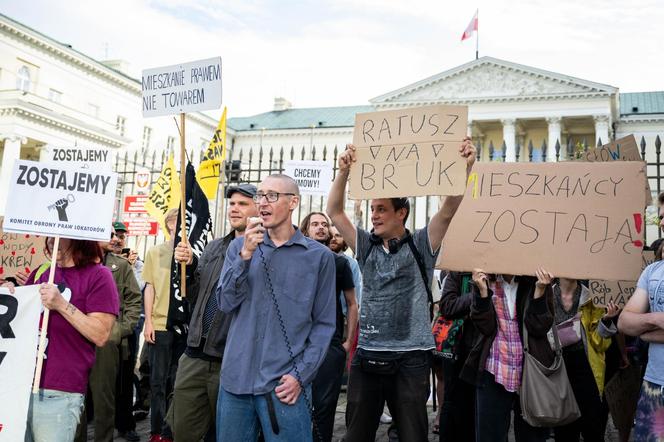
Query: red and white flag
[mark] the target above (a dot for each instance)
(472, 26)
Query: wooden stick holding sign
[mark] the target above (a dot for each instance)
(183, 205)
(44, 324)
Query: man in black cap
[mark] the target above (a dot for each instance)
(193, 409)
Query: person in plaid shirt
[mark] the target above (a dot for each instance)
(495, 363)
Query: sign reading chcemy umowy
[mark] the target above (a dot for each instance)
(313, 177)
(57, 200)
(576, 220)
(409, 152)
(182, 88)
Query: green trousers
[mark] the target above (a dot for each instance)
(193, 410)
(102, 387)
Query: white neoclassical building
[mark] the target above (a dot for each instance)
(54, 96)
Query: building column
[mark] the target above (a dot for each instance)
(601, 129)
(509, 136)
(469, 130)
(554, 135)
(11, 153)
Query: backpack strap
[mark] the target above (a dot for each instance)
(420, 264)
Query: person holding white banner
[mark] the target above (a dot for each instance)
(84, 304)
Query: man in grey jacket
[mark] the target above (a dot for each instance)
(193, 409)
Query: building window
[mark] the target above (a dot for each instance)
(147, 134)
(120, 123)
(94, 110)
(55, 96)
(170, 144)
(23, 81)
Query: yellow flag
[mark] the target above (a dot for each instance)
(165, 195)
(210, 168)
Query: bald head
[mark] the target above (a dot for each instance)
(286, 183)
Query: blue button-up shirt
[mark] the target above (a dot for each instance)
(302, 273)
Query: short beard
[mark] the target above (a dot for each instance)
(325, 242)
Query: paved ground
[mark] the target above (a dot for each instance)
(143, 427)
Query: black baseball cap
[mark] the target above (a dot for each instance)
(245, 189)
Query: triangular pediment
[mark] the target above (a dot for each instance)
(490, 78)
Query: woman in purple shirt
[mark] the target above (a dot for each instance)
(84, 303)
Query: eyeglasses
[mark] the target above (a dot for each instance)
(118, 235)
(271, 197)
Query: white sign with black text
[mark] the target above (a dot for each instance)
(57, 200)
(182, 88)
(19, 331)
(313, 177)
(84, 157)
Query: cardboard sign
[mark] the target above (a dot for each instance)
(20, 252)
(409, 152)
(19, 316)
(135, 204)
(313, 177)
(182, 88)
(577, 220)
(602, 292)
(84, 157)
(53, 199)
(623, 149)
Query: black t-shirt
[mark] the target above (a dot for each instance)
(344, 282)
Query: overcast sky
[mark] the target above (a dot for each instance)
(345, 52)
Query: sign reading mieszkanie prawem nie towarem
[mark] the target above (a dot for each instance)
(182, 88)
(57, 200)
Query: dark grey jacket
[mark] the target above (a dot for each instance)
(201, 283)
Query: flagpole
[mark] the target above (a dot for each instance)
(44, 324)
(477, 35)
(183, 203)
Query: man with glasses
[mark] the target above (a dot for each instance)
(275, 281)
(108, 361)
(120, 248)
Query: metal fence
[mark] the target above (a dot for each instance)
(252, 165)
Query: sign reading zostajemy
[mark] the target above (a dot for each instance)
(312, 177)
(181, 88)
(84, 157)
(57, 200)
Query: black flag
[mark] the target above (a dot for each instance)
(199, 226)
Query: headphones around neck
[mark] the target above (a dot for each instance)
(393, 245)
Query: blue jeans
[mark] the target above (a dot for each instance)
(240, 416)
(53, 416)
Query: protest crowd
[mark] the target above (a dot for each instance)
(279, 319)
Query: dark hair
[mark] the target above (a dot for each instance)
(401, 203)
(660, 198)
(304, 224)
(83, 252)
